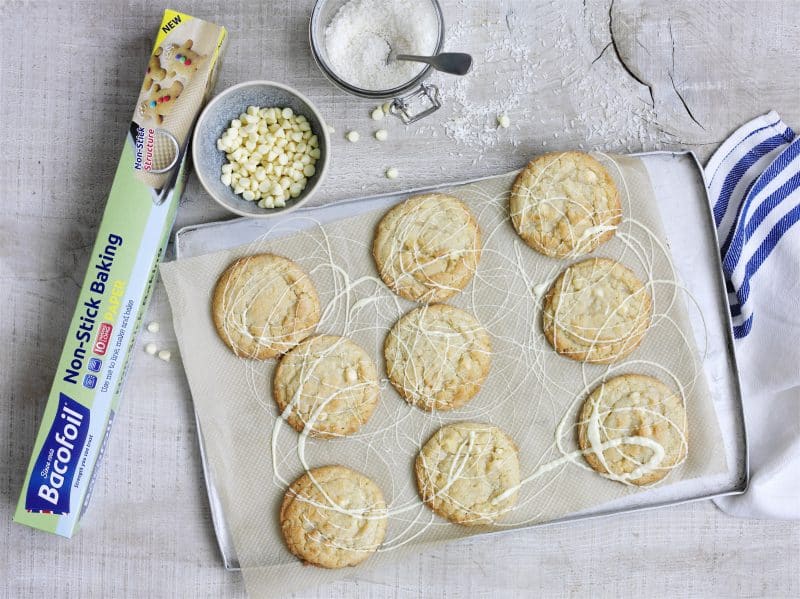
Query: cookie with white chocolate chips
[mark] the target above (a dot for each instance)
(468, 472)
(427, 248)
(437, 357)
(632, 428)
(329, 384)
(333, 517)
(596, 311)
(565, 204)
(263, 306)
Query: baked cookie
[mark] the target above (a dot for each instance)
(468, 472)
(154, 74)
(427, 248)
(159, 102)
(182, 60)
(333, 517)
(331, 384)
(596, 311)
(632, 428)
(263, 306)
(437, 357)
(565, 204)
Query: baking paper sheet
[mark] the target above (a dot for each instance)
(529, 390)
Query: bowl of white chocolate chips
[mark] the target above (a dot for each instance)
(260, 149)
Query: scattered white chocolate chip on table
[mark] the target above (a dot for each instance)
(151, 349)
(381, 135)
(391, 173)
(153, 327)
(353, 136)
(377, 114)
(165, 355)
(503, 121)
(270, 152)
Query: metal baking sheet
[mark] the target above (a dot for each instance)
(680, 192)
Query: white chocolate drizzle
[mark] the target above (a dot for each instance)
(358, 305)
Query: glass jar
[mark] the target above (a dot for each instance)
(411, 101)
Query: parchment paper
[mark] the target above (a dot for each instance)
(530, 389)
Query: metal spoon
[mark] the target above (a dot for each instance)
(454, 63)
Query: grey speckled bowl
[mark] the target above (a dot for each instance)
(216, 118)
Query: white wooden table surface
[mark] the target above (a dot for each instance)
(620, 76)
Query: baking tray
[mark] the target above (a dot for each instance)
(680, 191)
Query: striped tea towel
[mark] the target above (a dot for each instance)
(754, 187)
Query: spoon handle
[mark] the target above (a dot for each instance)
(455, 63)
(415, 58)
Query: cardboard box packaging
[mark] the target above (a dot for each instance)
(130, 243)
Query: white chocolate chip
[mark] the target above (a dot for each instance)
(540, 289)
(151, 349)
(387, 106)
(165, 355)
(391, 173)
(377, 114)
(153, 327)
(263, 147)
(381, 135)
(353, 136)
(503, 121)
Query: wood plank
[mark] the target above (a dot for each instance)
(568, 74)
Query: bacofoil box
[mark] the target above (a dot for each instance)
(133, 234)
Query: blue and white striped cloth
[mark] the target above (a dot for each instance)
(754, 187)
